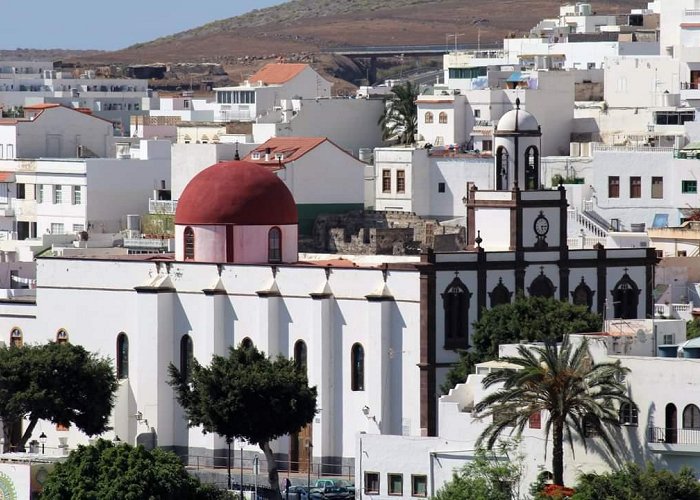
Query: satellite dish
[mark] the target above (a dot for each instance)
(641, 336)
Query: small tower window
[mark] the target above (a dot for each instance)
(62, 336)
(357, 361)
(501, 168)
(186, 356)
(532, 174)
(274, 245)
(428, 117)
(189, 243)
(442, 117)
(122, 356)
(16, 339)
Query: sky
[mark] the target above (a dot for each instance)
(96, 24)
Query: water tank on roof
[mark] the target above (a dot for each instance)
(133, 223)
(584, 9)
(365, 155)
(671, 100)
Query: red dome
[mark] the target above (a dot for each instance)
(236, 192)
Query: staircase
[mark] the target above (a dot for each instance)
(591, 222)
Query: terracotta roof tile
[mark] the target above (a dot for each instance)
(291, 149)
(277, 73)
(42, 105)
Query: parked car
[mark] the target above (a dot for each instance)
(327, 481)
(296, 492)
(331, 493)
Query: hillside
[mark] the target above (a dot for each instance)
(298, 29)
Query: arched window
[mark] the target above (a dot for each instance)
(246, 343)
(122, 356)
(532, 171)
(500, 294)
(274, 245)
(582, 295)
(455, 302)
(501, 168)
(300, 355)
(62, 336)
(691, 417)
(629, 414)
(188, 240)
(16, 339)
(542, 286)
(626, 297)
(186, 356)
(428, 117)
(442, 117)
(357, 362)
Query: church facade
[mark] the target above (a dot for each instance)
(377, 336)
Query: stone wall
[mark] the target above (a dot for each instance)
(370, 232)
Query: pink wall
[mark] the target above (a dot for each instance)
(249, 243)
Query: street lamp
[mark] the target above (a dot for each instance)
(308, 470)
(447, 37)
(42, 440)
(228, 442)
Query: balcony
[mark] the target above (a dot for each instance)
(167, 207)
(673, 441)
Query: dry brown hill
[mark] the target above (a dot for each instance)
(298, 29)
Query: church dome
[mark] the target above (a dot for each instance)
(518, 120)
(236, 192)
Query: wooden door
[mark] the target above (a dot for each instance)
(299, 452)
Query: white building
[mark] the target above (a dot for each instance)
(663, 430)
(378, 334)
(70, 195)
(26, 83)
(54, 131)
(266, 88)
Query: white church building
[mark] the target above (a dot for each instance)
(377, 334)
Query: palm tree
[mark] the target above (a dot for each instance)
(400, 118)
(579, 396)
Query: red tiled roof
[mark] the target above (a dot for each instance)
(42, 105)
(277, 73)
(291, 149)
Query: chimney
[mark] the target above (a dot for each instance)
(267, 154)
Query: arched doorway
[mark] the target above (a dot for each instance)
(671, 423)
(300, 443)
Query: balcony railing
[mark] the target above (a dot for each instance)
(673, 436)
(162, 206)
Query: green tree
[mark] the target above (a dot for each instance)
(247, 396)
(633, 482)
(62, 383)
(692, 328)
(488, 476)
(400, 119)
(534, 319)
(108, 471)
(577, 396)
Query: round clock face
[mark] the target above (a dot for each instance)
(541, 225)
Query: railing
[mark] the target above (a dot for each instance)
(674, 311)
(673, 436)
(245, 466)
(578, 242)
(587, 224)
(692, 12)
(599, 146)
(145, 243)
(162, 206)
